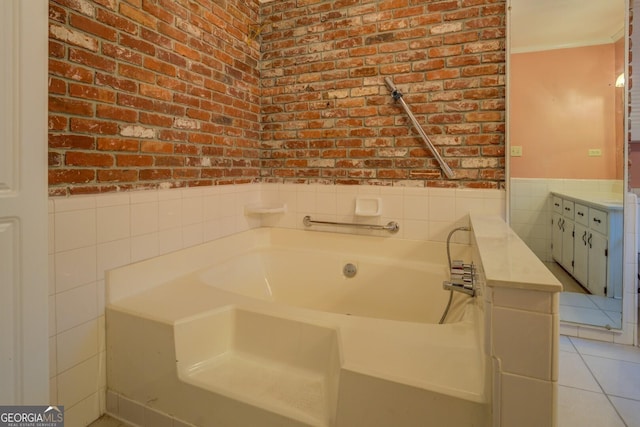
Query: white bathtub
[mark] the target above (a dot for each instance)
(263, 328)
(402, 281)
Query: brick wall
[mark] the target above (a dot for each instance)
(328, 117)
(173, 93)
(148, 93)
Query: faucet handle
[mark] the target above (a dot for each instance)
(457, 264)
(459, 267)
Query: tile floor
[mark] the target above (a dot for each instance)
(578, 306)
(568, 282)
(591, 310)
(599, 385)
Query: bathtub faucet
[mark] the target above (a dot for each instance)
(462, 278)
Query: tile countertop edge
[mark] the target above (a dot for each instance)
(507, 261)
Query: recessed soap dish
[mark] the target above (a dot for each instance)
(264, 209)
(368, 206)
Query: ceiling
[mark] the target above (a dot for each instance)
(552, 24)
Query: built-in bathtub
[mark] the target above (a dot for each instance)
(266, 328)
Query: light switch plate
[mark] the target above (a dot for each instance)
(516, 150)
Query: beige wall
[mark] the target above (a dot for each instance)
(565, 101)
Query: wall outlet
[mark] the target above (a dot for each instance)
(595, 152)
(516, 150)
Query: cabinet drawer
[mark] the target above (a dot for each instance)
(598, 221)
(567, 209)
(557, 204)
(581, 214)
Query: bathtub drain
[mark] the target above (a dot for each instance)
(349, 270)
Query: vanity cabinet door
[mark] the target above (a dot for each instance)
(581, 255)
(597, 264)
(567, 245)
(556, 237)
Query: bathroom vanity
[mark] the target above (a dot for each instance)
(587, 239)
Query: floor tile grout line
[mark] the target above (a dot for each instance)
(599, 385)
(610, 357)
(624, 397)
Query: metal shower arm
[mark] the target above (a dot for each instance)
(397, 96)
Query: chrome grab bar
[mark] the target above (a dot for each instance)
(397, 95)
(391, 226)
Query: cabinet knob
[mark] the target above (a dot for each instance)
(597, 220)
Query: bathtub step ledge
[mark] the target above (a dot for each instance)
(295, 393)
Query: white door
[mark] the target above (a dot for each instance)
(24, 364)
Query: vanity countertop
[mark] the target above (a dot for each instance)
(607, 201)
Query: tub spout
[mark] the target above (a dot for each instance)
(459, 287)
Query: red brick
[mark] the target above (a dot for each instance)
(159, 66)
(70, 176)
(118, 144)
(71, 141)
(57, 86)
(116, 21)
(136, 73)
(154, 91)
(70, 71)
(117, 175)
(91, 60)
(135, 102)
(171, 58)
(154, 174)
(56, 50)
(70, 106)
(137, 44)
(172, 161)
(156, 147)
(137, 15)
(137, 160)
(116, 83)
(155, 119)
(57, 122)
(157, 11)
(79, 158)
(92, 93)
(116, 113)
(57, 13)
(93, 126)
(91, 26)
(121, 53)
